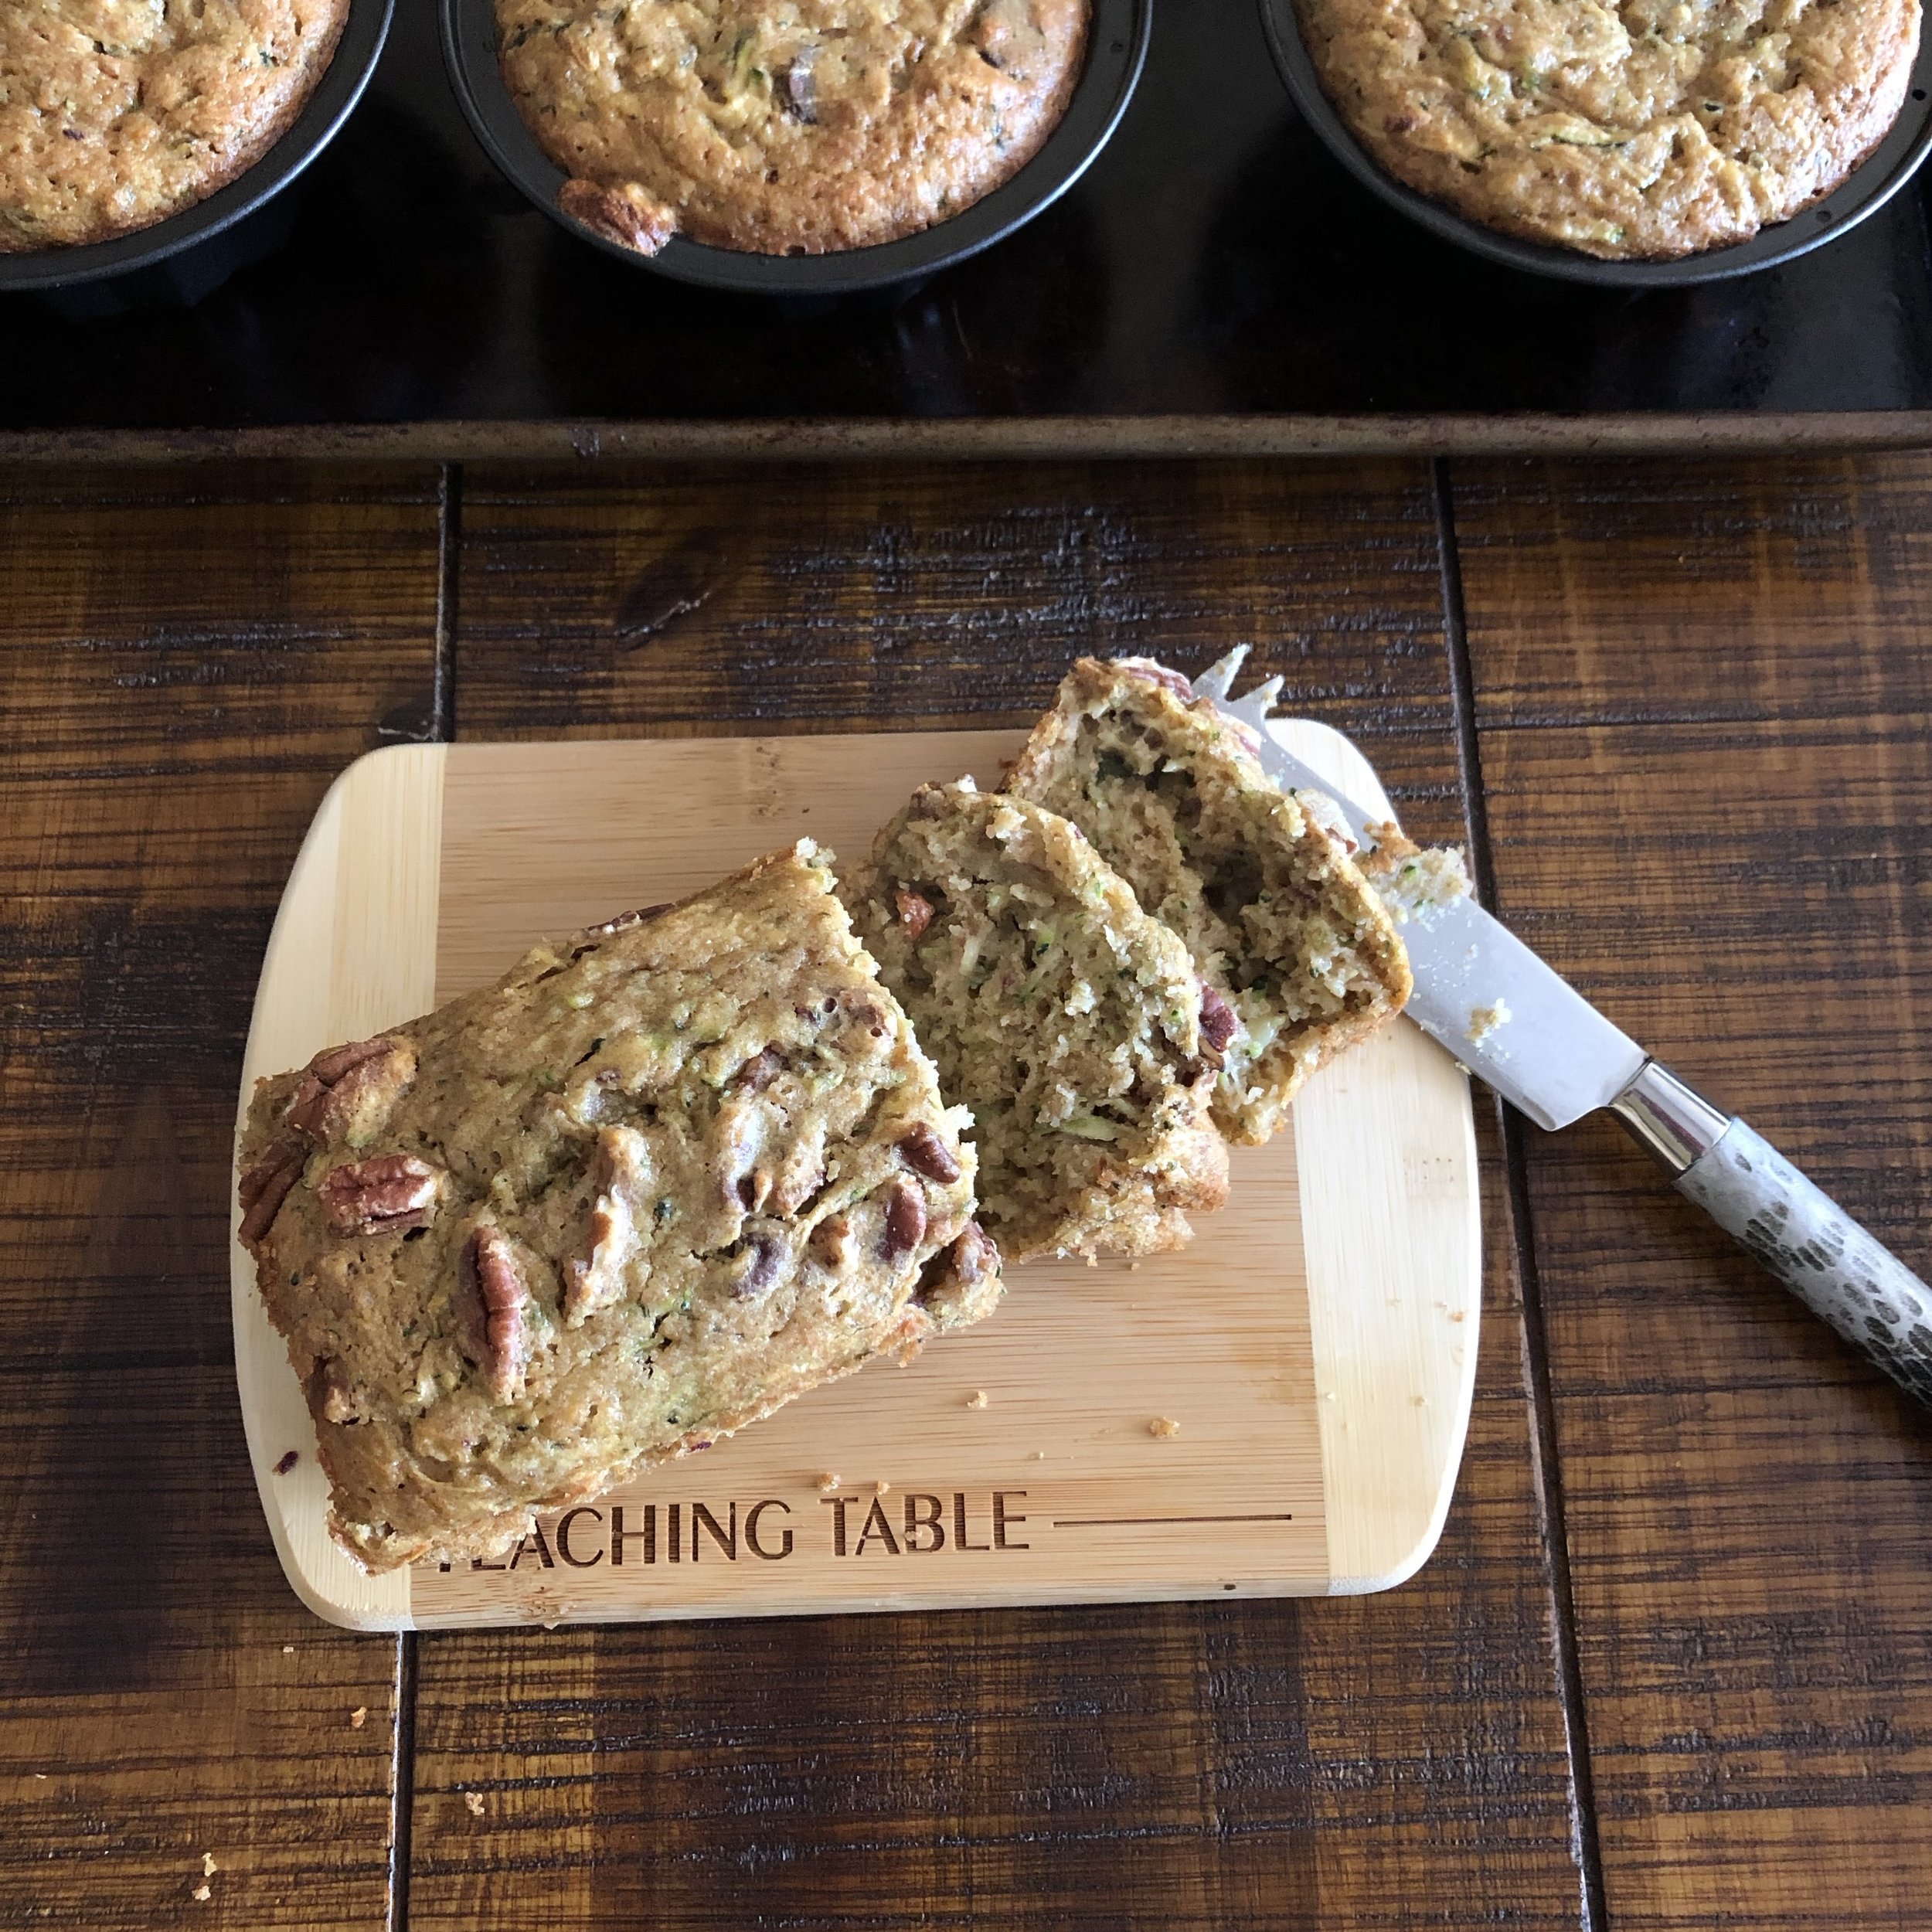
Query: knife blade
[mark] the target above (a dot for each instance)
(1556, 1059)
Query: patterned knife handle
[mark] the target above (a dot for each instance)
(1801, 1235)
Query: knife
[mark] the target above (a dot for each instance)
(1516, 1023)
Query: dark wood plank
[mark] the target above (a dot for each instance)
(1388, 1762)
(184, 662)
(1727, 848)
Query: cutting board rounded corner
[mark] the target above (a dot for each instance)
(410, 884)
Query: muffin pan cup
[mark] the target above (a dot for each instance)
(1116, 49)
(334, 100)
(1867, 188)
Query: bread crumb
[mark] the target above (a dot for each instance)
(288, 1650)
(475, 1801)
(1038, 1455)
(208, 1868)
(358, 1717)
(1484, 1020)
(1458, 1315)
(881, 1487)
(1163, 1426)
(203, 1891)
(977, 1400)
(1133, 1267)
(828, 1483)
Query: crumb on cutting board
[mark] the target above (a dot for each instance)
(881, 1488)
(475, 1801)
(208, 1868)
(827, 1482)
(203, 1891)
(977, 1400)
(1163, 1426)
(358, 1717)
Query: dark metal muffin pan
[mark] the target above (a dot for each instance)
(334, 98)
(1872, 183)
(1116, 48)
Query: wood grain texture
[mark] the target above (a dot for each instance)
(182, 665)
(1718, 831)
(1382, 1762)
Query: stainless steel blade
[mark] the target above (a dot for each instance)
(1556, 1057)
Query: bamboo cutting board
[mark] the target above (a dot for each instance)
(1278, 1409)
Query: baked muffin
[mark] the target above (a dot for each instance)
(116, 114)
(1068, 1021)
(786, 127)
(645, 1189)
(1647, 130)
(1300, 957)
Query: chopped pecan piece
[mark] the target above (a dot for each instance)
(831, 1243)
(347, 1092)
(338, 1403)
(759, 1071)
(624, 1166)
(758, 1267)
(971, 1260)
(924, 1149)
(383, 1195)
(489, 1272)
(265, 1186)
(1217, 1018)
(1154, 671)
(915, 911)
(905, 1217)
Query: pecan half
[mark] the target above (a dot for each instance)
(915, 911)
(623, 1172)
(383, 1195)
(905, 1217)
(924, 1149)
(489, 1272)
(347, 1092)
(1151, 671)
(1218, 1019)
(265, 1186)
(631, 220)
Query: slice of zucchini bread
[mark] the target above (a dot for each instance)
(1068, 1021)
(1300, 957)
(644, 1189)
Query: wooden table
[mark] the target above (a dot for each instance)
(1672, 1665)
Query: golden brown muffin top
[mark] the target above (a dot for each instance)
(115, 113)
(1656, 128)
(786, 126)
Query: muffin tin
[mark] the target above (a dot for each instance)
(1216, 281)
(1116, 47)
(364, 33)
(1872, 183)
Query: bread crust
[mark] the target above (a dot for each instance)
(117, 113)
(1170, 795)
(650, 1186)
(1653, 129)
(786, 127)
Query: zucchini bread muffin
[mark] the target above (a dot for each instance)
(646, 1189)
(1068, 1021)
(1648, 129)
(1299, 956)
(116, 114)
(786, 127)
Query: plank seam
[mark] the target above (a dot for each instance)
(1587, 1848)
(402, 1783)
(449, 543)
